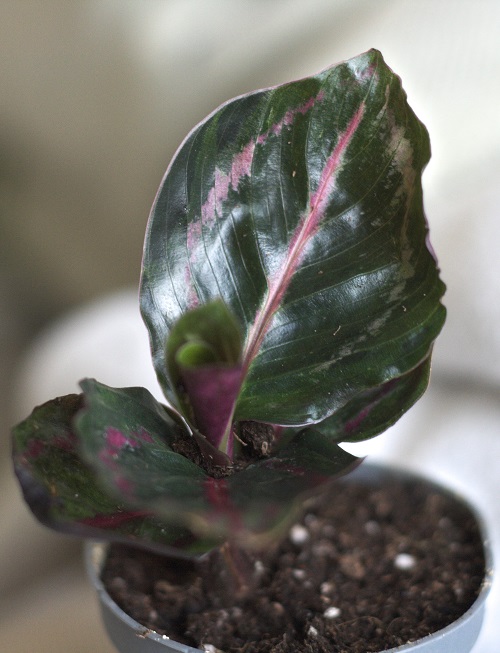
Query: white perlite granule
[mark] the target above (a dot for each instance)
(299, 534)
(404, 561)
(299, 574)
(332, 612)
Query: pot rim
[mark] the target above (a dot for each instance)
(95, 553)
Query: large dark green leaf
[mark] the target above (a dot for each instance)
(300, 206)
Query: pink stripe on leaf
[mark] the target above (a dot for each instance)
(306, 229)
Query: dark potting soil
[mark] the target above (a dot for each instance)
(365, 570)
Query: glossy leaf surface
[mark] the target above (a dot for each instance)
(300, 207)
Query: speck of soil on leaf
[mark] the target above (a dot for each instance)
(365, 570)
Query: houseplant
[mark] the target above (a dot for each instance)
(292, 300)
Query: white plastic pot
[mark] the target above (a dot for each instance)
(129, 636)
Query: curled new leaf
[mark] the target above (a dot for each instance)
(203, 355)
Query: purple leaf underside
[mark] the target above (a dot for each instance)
(214, 390)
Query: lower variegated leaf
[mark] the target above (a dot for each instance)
(254, 506)
(65, 493)
(127, 437)
(100, 465)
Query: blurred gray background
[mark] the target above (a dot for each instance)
(95, 97)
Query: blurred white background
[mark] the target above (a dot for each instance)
(95, 97)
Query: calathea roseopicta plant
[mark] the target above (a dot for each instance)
(292, 300)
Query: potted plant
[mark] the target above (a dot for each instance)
(292, 300)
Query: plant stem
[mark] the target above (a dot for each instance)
(229, 574)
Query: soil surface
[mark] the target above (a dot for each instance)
(365, 570)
